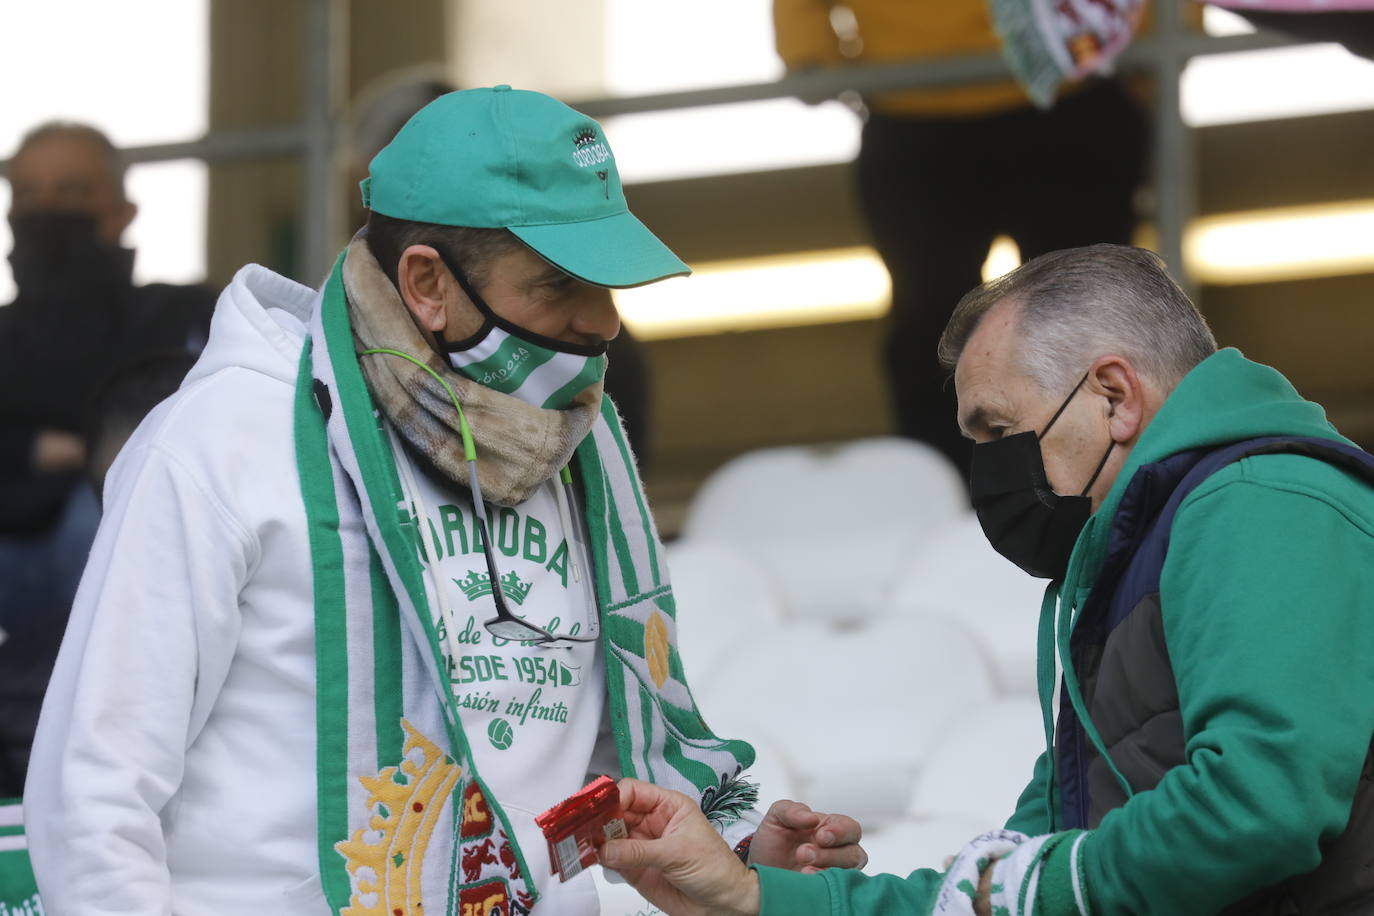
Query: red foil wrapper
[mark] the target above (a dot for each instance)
(577, 826)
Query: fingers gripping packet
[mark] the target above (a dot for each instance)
(578, 825)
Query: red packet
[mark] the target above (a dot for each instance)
(576, 826)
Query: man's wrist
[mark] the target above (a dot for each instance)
(748, 900)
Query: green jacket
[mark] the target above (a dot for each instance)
(1267, 599)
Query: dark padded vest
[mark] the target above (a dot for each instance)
(1119, 653)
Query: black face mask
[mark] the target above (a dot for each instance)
(59, 253)
(491, 320)
(1023, 518)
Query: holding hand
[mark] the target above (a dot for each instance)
(675, 858)
(794, 837)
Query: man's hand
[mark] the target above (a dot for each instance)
(982, 904)
(675, 858)
(794, 837)
(982, 900)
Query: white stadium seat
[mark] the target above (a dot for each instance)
(856, 711)
(721, 597)
(772, 771)
(981, 765)
(832, 525)
(956, 575)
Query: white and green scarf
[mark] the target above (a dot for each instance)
(405, 821)
(1030, 875)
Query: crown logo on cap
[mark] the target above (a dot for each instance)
(588, 150)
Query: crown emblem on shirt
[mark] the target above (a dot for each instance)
(478, 584)
(584, 137)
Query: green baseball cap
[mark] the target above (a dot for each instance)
(511, 159)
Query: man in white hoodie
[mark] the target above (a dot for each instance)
(379, 584)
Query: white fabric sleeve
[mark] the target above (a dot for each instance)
(605, 758)
(152, 632)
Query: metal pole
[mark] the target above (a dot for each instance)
(865, 79)
(321, 209)
(1143, 55)
(1175, 199)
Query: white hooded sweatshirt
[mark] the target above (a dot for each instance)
(174, 767)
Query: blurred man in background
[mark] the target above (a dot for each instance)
(941, 172)
(1210, 541)
(76, 319)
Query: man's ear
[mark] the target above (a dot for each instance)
(1116, 379)
(420, 276)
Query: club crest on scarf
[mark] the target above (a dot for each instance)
(385, 858)
(493, 884)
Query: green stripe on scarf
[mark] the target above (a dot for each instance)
(612, 421)
(646, 708)
(331, 646)
(386, 646)
(374, 458)
(382, 483)
(694, 770)
(622, 548)
(594, 488)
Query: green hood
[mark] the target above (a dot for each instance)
(1225, 398)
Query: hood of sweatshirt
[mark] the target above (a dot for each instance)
(1225, 398)
(260, 324)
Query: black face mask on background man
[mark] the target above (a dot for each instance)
(60, 252)
(1021, 515)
